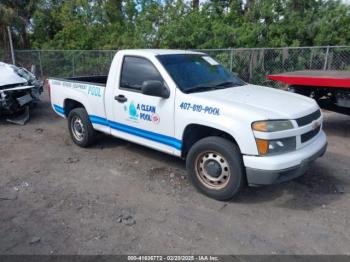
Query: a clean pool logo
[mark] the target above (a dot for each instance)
(143, 112)
(155, 118)
(133, 112)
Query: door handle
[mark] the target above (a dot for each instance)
(120, 98)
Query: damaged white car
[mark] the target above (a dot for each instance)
(19, 88)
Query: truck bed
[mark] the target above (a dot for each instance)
(88, 90)
(337, 79)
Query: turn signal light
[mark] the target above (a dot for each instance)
(263, 146)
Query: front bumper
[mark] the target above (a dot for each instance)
(278, 169)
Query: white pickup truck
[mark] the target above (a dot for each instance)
(186, 104)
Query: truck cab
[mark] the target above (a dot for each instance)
(186, 104)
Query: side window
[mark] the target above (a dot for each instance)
(135, 71)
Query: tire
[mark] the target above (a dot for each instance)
(86, 135)
(209, 161)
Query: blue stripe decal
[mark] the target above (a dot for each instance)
(99, 120)
(59, 109)
(167, 140)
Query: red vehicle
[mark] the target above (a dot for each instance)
(331, 89)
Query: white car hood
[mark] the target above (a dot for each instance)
(270, 102)
(8, 76)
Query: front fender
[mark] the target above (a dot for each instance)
(240, 132)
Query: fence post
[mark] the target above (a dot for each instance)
(73, 64)
(311, 58)
(326, 59)
(11, 45)
(251, 65)
(231, 60)
(40, 63)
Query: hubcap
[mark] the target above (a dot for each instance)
(212, 170)
(77, 128)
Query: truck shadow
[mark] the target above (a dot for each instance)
(324, 182)
(336, 124)
(317, 188)
(110, 142)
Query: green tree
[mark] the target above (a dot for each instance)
(7, 16)
(74, 24)
(17, 14)
(112, 24)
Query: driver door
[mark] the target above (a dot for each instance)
(144, 119)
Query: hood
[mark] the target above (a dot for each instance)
(269, 102)
(8, 76)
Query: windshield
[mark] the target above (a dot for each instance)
(196, 73)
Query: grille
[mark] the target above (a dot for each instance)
(307, 136)
(309, 118)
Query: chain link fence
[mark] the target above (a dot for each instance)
(252, 65)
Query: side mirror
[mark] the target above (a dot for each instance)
(155, 88)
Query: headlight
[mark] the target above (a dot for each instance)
(277, 146)
(272, 125)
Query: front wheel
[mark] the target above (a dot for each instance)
(215, 167)
(80, 127)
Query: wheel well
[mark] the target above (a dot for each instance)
(195, 132)
(70, 104)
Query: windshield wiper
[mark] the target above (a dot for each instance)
(202, 88)
(229, 84)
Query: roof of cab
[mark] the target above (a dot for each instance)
(161, 51)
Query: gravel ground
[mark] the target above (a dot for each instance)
(121, 198)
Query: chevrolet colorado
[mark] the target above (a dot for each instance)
(186, 104)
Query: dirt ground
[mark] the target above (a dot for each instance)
(121, 198)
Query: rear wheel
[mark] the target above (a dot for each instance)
(215, 167)
(80, 127)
